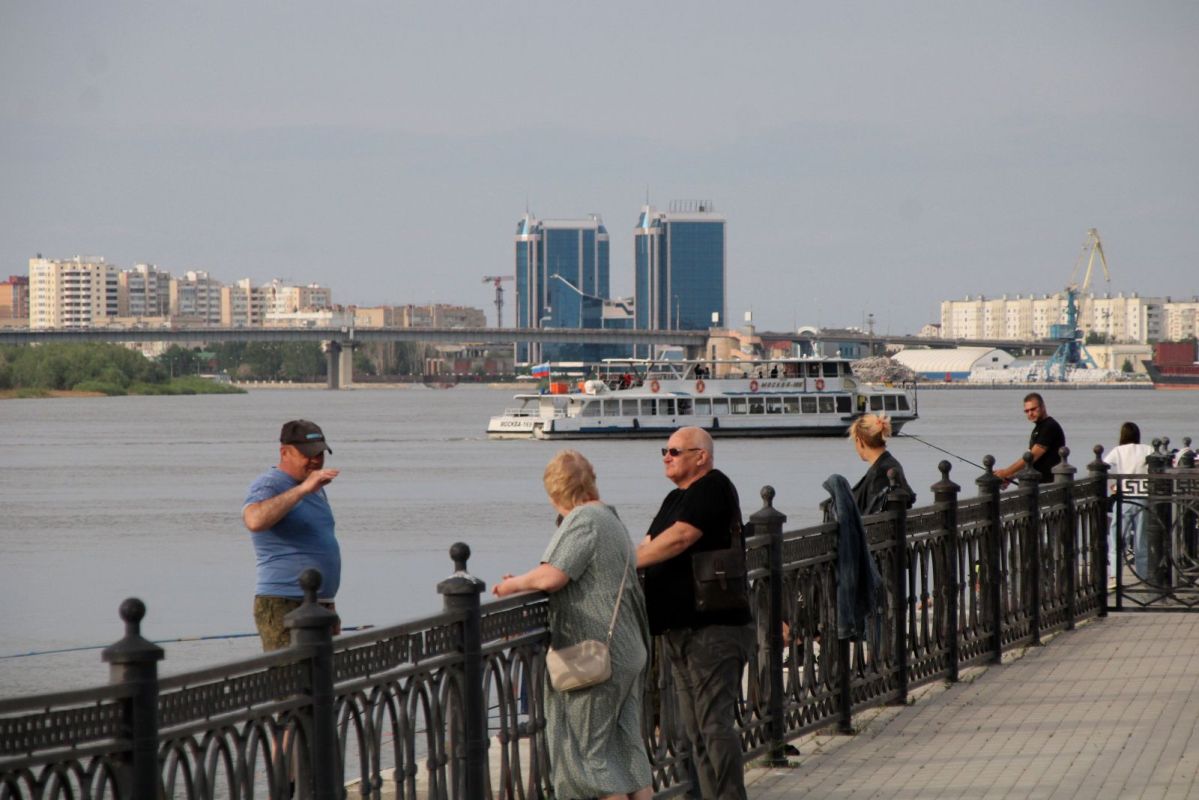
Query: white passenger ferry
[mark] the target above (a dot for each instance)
(641, 398)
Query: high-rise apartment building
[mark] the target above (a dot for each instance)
(242, 304)
(144, 291)
(679, 264)
(1121, 319)
(196, 298)
(14, 301)
(74, 293)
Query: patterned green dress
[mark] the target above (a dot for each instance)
(595, 740)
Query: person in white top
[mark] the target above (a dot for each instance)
(1127, 460)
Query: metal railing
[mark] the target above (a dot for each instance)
(452, 705)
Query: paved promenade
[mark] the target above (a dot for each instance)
(1110, 710)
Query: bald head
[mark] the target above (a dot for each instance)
(695, 456)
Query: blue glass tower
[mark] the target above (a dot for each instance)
(562, 274)
(679, 262)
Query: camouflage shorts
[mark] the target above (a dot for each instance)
(268, 616)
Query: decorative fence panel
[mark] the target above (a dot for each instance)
(452, 705)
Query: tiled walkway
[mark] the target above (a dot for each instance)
(1110, 710)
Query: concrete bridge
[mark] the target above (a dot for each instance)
(339, 343)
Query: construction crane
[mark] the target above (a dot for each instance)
(1071, 351)
(499, 295)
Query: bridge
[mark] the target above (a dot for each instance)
(339, 342)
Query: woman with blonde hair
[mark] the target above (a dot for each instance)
(869, 434)
(594, 734)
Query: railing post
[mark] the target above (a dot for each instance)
(905, 606)
(989, 485)
(134, 660)
(460, 592)
(768, 521)
(1190, 520)
(1157, 526)
(312, 625)
(1064, 473)
(945, 494)
(1029, 481)
(1098, 469)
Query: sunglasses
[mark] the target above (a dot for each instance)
(675, 452)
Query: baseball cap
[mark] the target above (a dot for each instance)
(305, 436)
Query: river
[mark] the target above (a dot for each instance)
(107, 498)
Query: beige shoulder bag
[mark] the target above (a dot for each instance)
(587, 663)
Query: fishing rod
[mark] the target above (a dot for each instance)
(942, 449)
(177, 640)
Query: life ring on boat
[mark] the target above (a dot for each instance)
(753, 386)
(820, 384)
(699, 386)
(654, 386)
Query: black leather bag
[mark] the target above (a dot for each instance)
(719, 576)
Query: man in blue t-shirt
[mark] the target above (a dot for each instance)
(289, 516)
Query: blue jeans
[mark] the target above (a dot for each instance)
(1132, 517)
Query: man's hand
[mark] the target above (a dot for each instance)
(317, 479)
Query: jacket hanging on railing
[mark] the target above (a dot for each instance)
(859, 585)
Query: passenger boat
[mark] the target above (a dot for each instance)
(640, 398)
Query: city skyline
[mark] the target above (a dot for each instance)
(869, 160)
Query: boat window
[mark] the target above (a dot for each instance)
(774, 405)
(703, 405)
(809, 405)
(666, 407)
(739, 405)
(830, 369)
(889, 402)
(684, 406)
(757, 405)
(813, 370)
(720, 406)
(611, 407)
(826, 404)
(903, 403)
(844, 404)
(628, 408)
(647, 407)
(791, 405)
(791, 370)
(876, 403)
(591, 409)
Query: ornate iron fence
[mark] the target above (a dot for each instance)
(1155, 536)
(452, 705)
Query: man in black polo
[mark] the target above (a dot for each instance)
(1045, 443)
(708, 650)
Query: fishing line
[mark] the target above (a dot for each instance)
(213, 637)
(942, 449)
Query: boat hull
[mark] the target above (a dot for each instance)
(719, 428)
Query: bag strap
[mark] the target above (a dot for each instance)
(736, 529)
(620, 594)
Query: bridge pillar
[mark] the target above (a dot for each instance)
(339, 364)
(345, 369)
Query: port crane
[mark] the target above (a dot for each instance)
(498, 280)
(1071, 352)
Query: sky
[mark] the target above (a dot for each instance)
(871, 158)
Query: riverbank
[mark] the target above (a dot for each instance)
(1034, 387)
(28, 393)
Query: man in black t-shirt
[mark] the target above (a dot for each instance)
(1045, 443)
(708, 650)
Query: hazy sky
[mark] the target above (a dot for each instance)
(870, 157)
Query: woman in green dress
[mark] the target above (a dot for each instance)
(594, 734)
